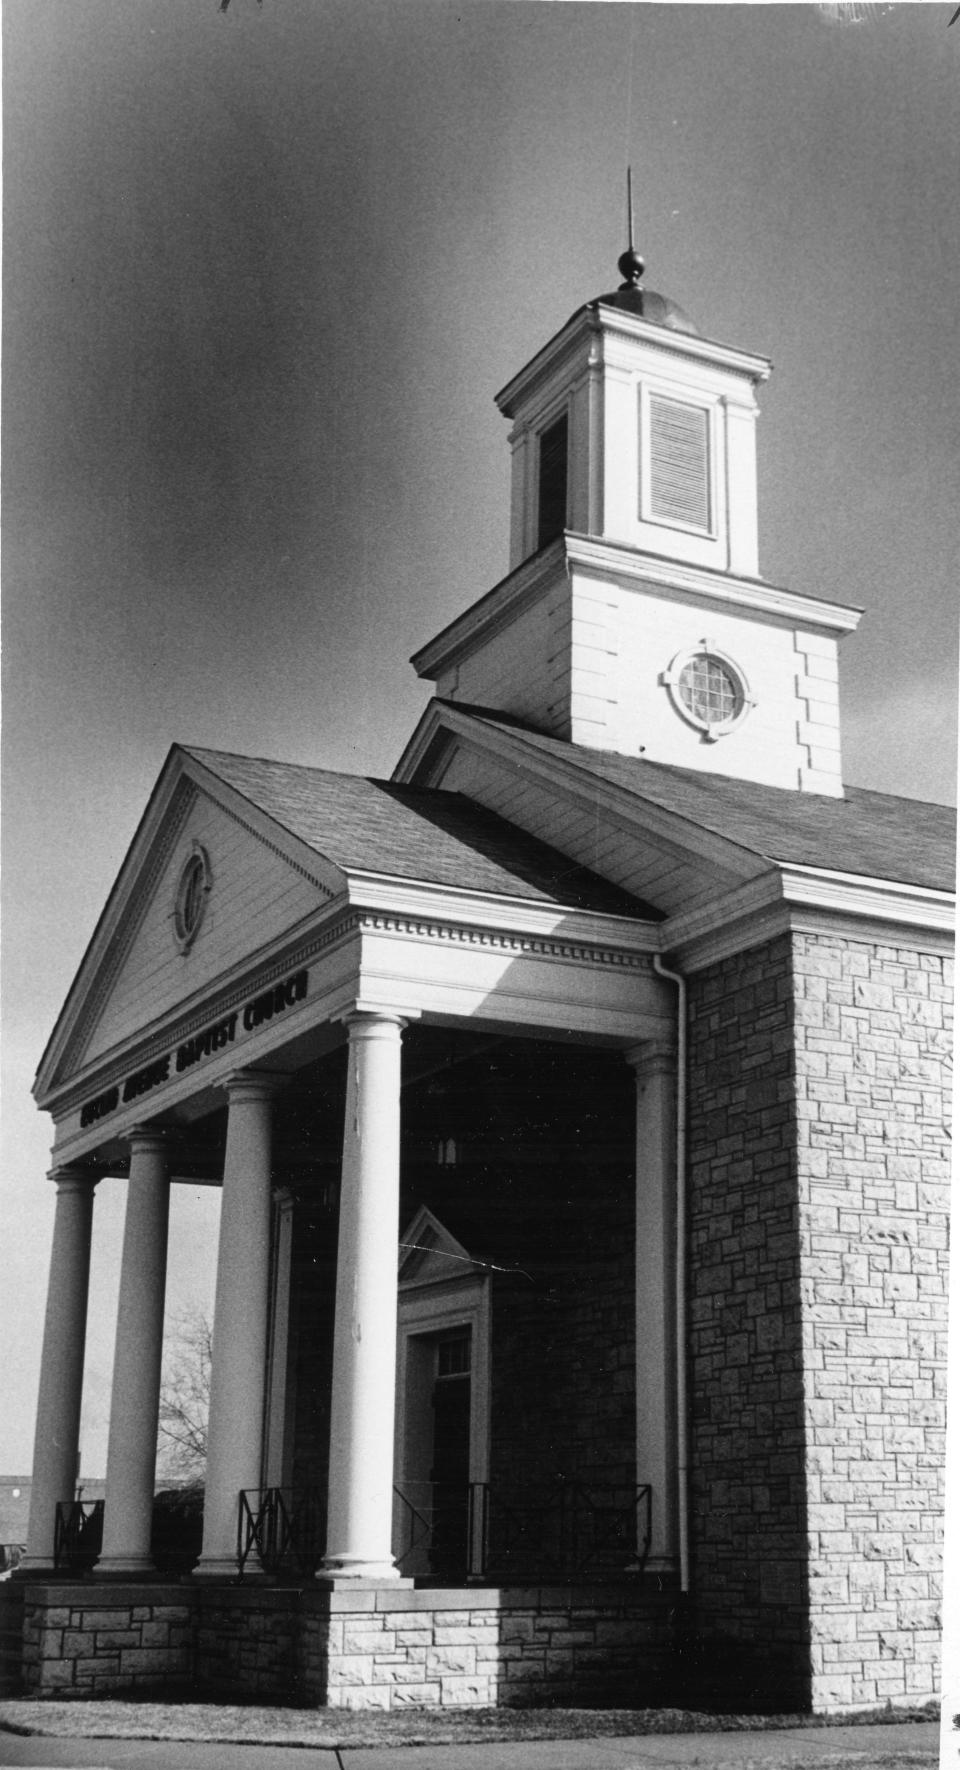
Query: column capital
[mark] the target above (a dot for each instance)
(72, 1178)
(251, 1084)
(652, 1057)
(147, 1137)
(369, 1022)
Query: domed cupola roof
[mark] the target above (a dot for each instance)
(632, 297)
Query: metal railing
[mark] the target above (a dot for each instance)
(283, 1528)
(77, 1535)
(558, 1529)
(566, 1529)
(440, 1534)
(554, 1530)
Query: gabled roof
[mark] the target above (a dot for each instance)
(375, 826)
(342, 833)
(876, 835)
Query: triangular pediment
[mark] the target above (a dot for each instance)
(154, 951)
(430, 1254)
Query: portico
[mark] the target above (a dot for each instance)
(252, 1051)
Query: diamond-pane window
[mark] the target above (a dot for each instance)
(708, 689)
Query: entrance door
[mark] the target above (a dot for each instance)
(450, 1467)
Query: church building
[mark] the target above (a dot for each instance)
(577, 1097)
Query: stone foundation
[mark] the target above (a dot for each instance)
(86, 1639)
(378, 1648)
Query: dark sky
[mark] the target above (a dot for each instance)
(264, 271)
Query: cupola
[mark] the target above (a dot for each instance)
(630, 427)
(634, 618)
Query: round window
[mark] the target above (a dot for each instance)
(708, 690)
(191, 900)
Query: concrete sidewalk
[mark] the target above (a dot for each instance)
(801, 1748)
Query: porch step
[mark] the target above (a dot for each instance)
(11, 1637)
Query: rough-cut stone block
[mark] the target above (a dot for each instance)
(106, 1639)
(105, 1619)
(76, 1643)
(146, 1659)
(372, 1696)
(441, 1660)
(465, 1692)
(56, 1674)
(388, 1671)
(351, 1668)
(359, 1638)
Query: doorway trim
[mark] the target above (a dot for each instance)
(431, 1302)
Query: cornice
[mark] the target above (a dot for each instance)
(522, 917)
(595, 316)
(192, 1016)
(503, 940)
(433, 916)
(600, 558)
(807, 900)
(575, 552)
(856, 895)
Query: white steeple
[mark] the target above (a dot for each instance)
(634, 618)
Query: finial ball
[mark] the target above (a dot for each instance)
(630, 265)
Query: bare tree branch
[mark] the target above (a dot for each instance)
(185, 1397)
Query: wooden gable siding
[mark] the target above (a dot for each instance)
(256, 896)
(524, 669)
(639, 864)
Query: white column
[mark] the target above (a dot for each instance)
(135, 1403)
(238, 1366)
(655, 1068)
(277, 1436)
(57, 1442)
(365, 1324)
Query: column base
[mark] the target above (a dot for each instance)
(124, 1566)
(665, 1567)
(222, 1567)
(350, 1572)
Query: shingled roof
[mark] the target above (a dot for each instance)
(375, 826)
(876, 835)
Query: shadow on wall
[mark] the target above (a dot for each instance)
(747, 1641)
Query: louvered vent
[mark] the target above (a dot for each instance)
(679, 464)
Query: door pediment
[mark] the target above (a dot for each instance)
(430, 1254)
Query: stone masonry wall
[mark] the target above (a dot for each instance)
(748, 1510)
(385, 1647)
(480, 1648)
(873, 1046)
(818, 1233)
(85, 1641)
(247, 1639)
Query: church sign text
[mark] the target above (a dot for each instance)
(216, 1037)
